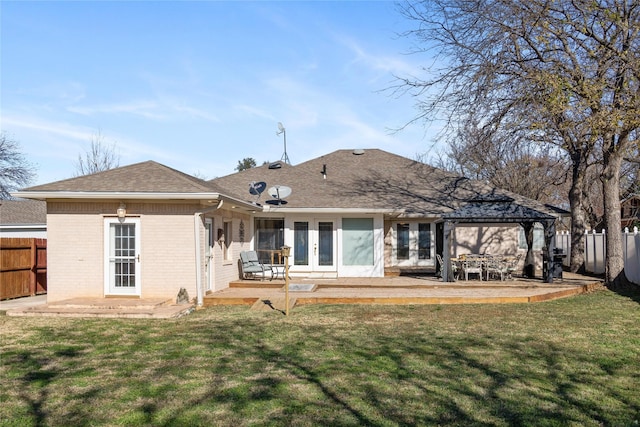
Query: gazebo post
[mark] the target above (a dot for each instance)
(549, 242)
(529, 268)
(446, 255)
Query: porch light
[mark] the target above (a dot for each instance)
(122, 211)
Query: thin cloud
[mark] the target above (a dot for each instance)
(61, 129)
(388, 64)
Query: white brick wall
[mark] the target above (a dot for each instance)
(75, 248)
(74, 256)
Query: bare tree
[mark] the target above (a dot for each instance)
(15, 170)
(567, 73)
(101, 156)
(509, 161)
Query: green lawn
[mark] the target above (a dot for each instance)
(574, 361)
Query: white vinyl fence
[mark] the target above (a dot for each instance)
(595, 251)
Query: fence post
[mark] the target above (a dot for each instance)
(32, 273)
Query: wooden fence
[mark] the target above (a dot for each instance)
(23, 267)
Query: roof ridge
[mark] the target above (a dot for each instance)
(185, 176)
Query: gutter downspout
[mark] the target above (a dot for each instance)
(197, 219)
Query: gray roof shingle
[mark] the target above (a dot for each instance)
(352, 179)
(15, 212)
(145, 177)
(374, 179)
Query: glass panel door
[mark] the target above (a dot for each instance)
(123, 269)
(324, 249)
(301, 243)
(325, 243)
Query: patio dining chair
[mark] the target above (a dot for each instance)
(496, 266)
(472, 265)
(251, 266)
(454, 267)
(512, 266)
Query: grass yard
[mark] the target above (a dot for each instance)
(574, 361)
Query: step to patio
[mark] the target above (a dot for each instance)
(154, 308)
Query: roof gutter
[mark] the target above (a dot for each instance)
(332, 210)
(101, 195)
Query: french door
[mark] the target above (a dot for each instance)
(314, 245)
(122, 261)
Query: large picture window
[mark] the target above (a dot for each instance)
(269, 237)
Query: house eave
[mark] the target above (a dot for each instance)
(204, 198)
(360, 211)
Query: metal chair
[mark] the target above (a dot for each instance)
(472, 265)
(496, 266)
(512, 266)
(251, 266)
(454, 267)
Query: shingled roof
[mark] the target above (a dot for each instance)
(23, 212)
(369, 179)
(145, 177)
(372, 178)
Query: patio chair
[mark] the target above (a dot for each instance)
(454, 267)
(472, 265)
(251, 266)
(512, 266)
(496, 266)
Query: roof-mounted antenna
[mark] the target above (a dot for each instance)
(283, 131)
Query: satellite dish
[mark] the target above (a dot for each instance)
(280, 127)
(276, 202)
(256, 188)
(279, 192)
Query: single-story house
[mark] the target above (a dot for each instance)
(630, 211)
(23, 219)
(147, 230)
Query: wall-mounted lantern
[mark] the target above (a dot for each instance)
(121, 212)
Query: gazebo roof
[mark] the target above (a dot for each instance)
(498, 208)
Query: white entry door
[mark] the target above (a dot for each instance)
(314, 245)
(122, 269)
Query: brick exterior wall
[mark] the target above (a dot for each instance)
(76, 248)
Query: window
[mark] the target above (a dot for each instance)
(301, 243)
(269, 237)
(325, 243)
(228, 238)
(402, 241)
(357, 241)
(538, 238)
(424, 241)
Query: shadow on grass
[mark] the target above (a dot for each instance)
(340, 367)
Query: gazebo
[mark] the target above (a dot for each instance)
(502, 209)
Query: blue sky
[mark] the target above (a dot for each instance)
(200, 85)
